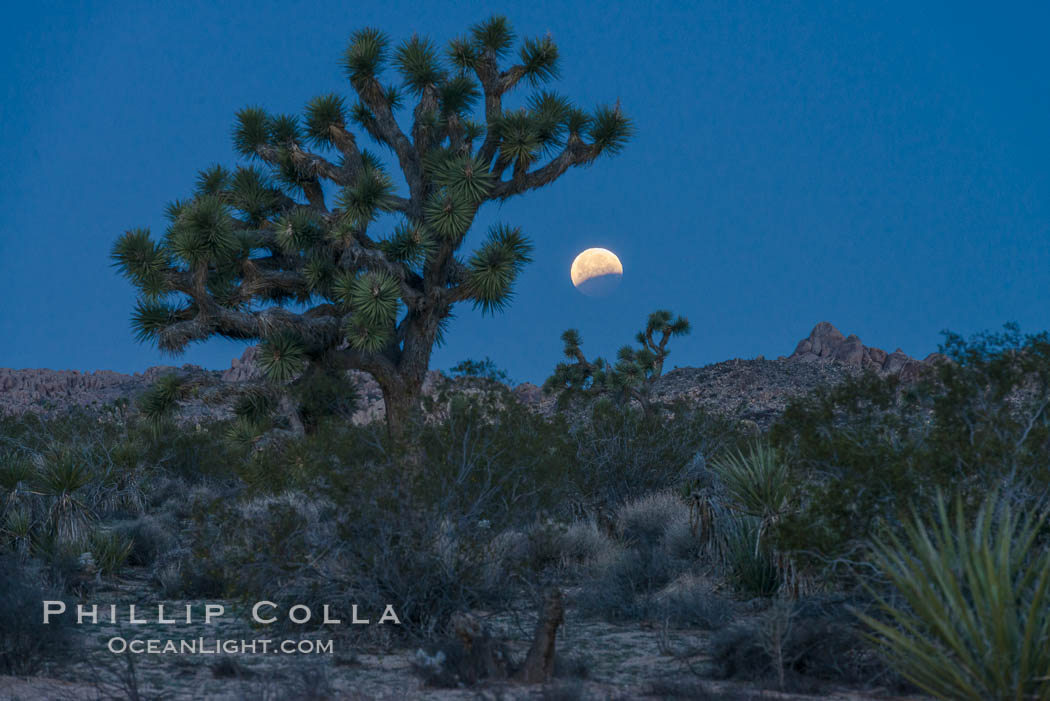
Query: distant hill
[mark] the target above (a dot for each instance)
(754, 389)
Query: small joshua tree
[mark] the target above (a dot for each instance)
(281, 251)
(635, 370)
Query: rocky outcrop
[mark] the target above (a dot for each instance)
(826, 343)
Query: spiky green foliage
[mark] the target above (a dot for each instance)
(610, 129)
(758, 481)
(375, 297)
(448, 216)
(62, 478)
(371, 194)
(110, 550)
(493, 36)
(539, 58)
(365, 55)
(633, 374)
(298, 229)
(417, 60)
(281, 356)
(322, 114)
(142, 261)
(495, 266)
(411, 244)
(366, 335)
(974, 623)
(160, 400)
(255, 404)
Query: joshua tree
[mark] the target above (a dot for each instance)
(281, 251)
(635, 370)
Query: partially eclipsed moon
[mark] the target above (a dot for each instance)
(596, 272)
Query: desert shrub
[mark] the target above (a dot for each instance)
(623, 590)
(683, 540)
(150, 537)
(109, 549)
(690, 601)
(645, 521)
(794, 644)
(866, 451)
(584, 547)
(25, 642)
(621, 453)
(974, 622)
(325, 394)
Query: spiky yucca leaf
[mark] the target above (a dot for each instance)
(464, 177)
(243, 433)
(255, 404)
(375, 296)
(299, 229)
(173, 209)
(318, 272)
(577, 121)
(251, 131)
(418, 62)
(281, 357)
(539, 57)
(494, 35)
(367, 336)
(284, 129)
(495, 265)
(371, 193)
(323, 113)
(549, 114)
(758, 482)
(572, 341)
(458, 95)
(213, 180)
(142, 261)
(410, 244)
(610, 130)
(203, 232)
(62, 478)
(448, 216)
(463, 53)
(365, 55)
(150, 318)
(976, 619)
(251, 193)
(159, 401)
(519, 137)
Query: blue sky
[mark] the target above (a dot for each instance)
(883, 166)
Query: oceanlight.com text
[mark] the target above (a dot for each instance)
(217, 646)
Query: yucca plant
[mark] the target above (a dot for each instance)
(159, 401)
(18, 527)
(758, 482)
(62, 479)
(262, 252)
(973, 621)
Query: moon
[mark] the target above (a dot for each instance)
(596, 272)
